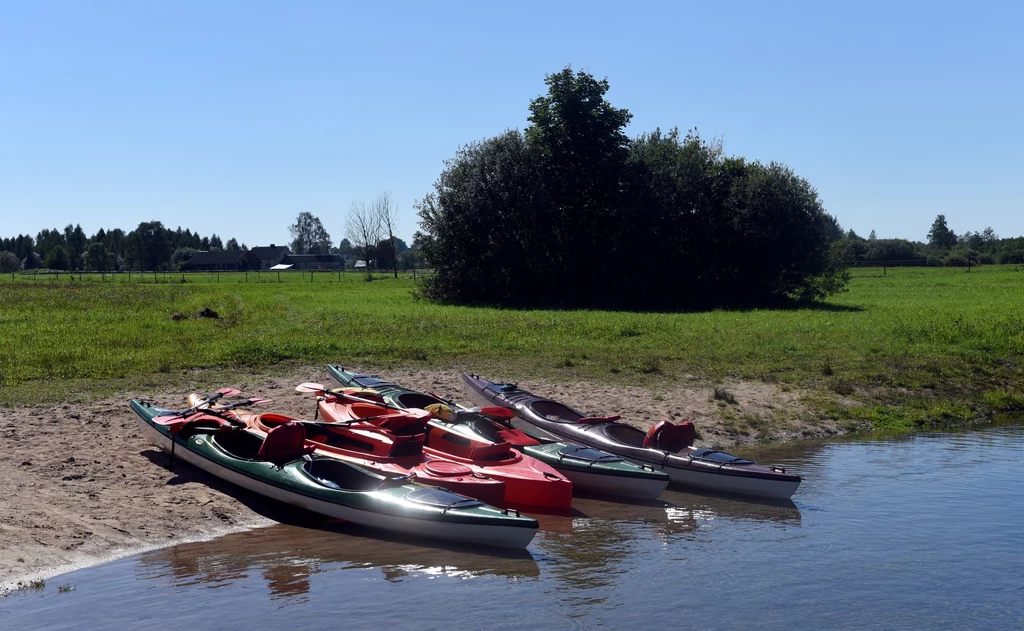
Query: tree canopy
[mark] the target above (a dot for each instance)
(309, 235)
(573, 212)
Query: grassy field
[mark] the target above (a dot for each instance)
(916, 347)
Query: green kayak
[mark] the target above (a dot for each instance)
(282, 469)
(589, 470)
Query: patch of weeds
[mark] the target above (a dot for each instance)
(613, 370)
(21, 559)
(566, 363)
(415, 355)
(65, 588)
(736, 426)
(657, 397)
(164, 367)
(630, 331)
(826, 369)
(721, 394)
(1004, 400)
(842, 388)
(650, 367)
(35, 584)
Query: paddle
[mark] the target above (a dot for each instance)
(223, 392)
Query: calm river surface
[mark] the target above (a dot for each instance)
(918, 532)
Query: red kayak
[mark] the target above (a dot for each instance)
(528, 482)
(380, 450)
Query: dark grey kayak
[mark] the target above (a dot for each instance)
(685, 464)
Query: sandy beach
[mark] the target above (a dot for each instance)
(80, 484)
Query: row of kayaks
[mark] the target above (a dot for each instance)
(418, 464)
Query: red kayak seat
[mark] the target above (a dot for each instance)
(285, 443)
(670, 437)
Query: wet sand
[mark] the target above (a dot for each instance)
(80, 484)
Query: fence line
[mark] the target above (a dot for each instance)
(211, 277)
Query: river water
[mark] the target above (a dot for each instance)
(911, 532)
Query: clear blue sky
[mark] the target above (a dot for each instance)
(233, 117)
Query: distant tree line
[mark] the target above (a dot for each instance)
(153, 247)
(149, 247)
(943, 247)
(573, 212)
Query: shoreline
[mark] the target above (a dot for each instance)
(87, 488)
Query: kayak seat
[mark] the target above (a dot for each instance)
(285, 443)
(406, 446)
(670, 437)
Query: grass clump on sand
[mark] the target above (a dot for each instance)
(916, 347)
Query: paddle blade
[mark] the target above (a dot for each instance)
(229, 392)
(259, 401)
(310, 387)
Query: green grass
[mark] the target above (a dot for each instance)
(931, 346)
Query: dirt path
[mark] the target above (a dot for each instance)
(80, 485)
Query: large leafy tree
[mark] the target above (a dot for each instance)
(9, 262)
(47, 240)
(309, 235)
(940, 235)
(57, 258)
(149, 246)
(76, 242)
(573, 212)
(581, 145)
(98, 258)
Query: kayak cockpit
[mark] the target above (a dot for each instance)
(554, 411)
(417, 400)
(241, 445)
(625, 434)
(340, 475)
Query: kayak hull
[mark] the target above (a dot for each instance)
(386, 509)
(689, 467)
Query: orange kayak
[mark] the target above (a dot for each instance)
(528, 482)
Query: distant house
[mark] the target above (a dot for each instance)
(315, 261)
(223, 261)
(360, 264)
(270, 255)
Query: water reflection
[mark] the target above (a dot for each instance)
(910, 532)
(286, 557)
